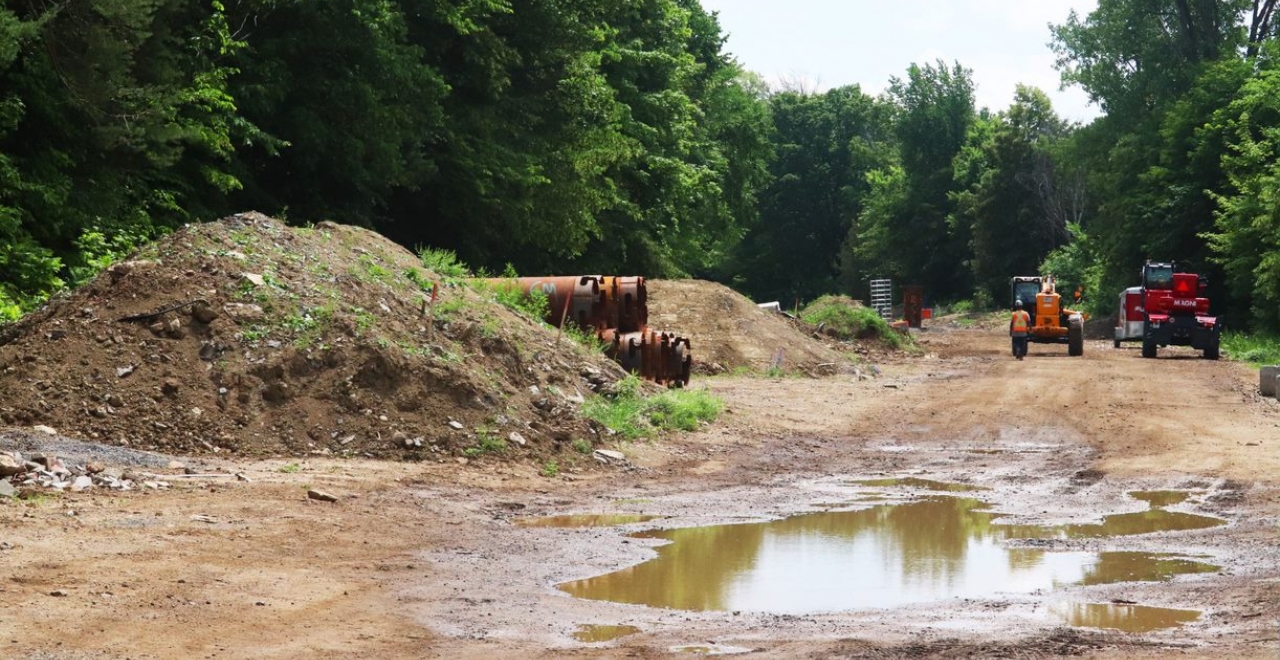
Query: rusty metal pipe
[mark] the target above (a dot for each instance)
(616, 308)
(661, 357)
(570, 297)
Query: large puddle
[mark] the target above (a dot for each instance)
(884, 556)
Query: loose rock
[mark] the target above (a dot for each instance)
(321, 496)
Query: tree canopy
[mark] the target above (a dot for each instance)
(592, 136)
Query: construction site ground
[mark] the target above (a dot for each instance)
(423, 559)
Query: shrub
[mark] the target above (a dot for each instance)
(444, 263)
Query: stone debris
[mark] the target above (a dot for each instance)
(321, 496)
(455, 425)
(609, 456)
(42, 470)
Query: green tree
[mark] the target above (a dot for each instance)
(825, 144)
(114, 117)
(1246, 235)
(1013, 205)
(904, 233)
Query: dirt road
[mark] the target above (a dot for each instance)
(425, 561)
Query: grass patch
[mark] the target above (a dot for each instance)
(550, 469)
(588, 338)
(844, 318)
(533, 304)
(1256, 349)
(487, 442)
(634, 416)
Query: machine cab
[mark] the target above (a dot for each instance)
(1024, 289)
(1157, 276)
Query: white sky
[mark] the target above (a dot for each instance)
(830, 43)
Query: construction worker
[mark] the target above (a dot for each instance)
(1019, 326)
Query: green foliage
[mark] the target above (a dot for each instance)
(1246, 235)
(97, 251)
(582, 446)
(588, 338)
(290, 468)
(1078, 263)
(550, 468)
(825, 145)
(533, 304)
(1256, 349)
(844, 318)
(443, 262)
(1014, 208)
(903, 230)
(632, 415)
(487, 442)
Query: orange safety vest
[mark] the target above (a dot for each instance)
(1021, 322)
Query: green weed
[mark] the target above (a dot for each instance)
(550, 469)
(373, 269)
(444, 263)
(582, 446)
(487, 442)
(633, 415)
(290, 468)
(585, 337)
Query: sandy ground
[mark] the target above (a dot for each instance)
(423, 560)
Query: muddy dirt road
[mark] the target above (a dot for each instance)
(427, 561)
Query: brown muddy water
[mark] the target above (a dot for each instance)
(916, 482)
(1126, 618)
(884, 556)
(602, 633)
(1160, 498)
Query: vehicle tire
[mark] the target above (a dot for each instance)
(1117, 343)
(1075, 338)
(1211, 351)
(1148, 346)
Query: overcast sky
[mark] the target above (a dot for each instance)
(832, 43)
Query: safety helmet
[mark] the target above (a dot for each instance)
(1018, 303)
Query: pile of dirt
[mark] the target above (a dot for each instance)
(246, 337)
(728, 332)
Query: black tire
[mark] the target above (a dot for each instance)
(1148, 347)
(1211, 351)
(1075, 338)
(1117, 343)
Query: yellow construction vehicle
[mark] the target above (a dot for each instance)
(1051, 323)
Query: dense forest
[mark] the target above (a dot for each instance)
(620, 137)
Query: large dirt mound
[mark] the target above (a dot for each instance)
(728, 332)
(245, 336)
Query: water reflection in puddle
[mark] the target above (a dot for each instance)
(601, 633)
(1127, 618)
(916, 482)
(1160, 498)
(883, 556)
(585, 520)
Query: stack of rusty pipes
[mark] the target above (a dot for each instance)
(614, 307)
